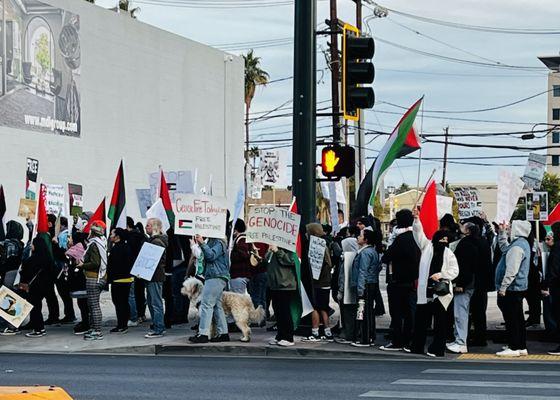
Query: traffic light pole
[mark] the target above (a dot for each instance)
(304, 124)
(335, 71)
(359, 135)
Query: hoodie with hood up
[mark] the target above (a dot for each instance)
(12, 248)
(513, 269)
(324, 280)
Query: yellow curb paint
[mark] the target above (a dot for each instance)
(32, 392)
(531, 357)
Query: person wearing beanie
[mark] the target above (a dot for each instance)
(119, 264)
(512, 280)
(402, 259)
(95, 271)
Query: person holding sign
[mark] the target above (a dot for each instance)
(216, 274)
(118, 271)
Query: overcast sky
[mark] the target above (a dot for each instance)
(403, 76)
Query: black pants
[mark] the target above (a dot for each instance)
(140, 297)
(512, 309)
(479, 304)
(180, 302)
(403, 306)
(424, 314)
(67, 301)
(555, 311)
(281, 300)
(365, 329)
(119, 295)
(36, 296)
(533, 297)
(168, 300)
(84, 311)
(379, 306)
(52, 303)
(348, 317)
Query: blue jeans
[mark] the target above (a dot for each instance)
(238, 285)
(132, 304)
(257, 289)
(155, 304)
(461, 304)
(211, 307)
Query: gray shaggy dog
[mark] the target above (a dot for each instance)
(238, 305)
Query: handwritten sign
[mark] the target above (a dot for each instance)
(509, 190)
(76, 199)
(317, 247)
(200, 215)
(468, 200)
(55, 199)
(31, 178)
(13, 308)
(147, 261)
(273, 225)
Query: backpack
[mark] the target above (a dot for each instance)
(11, 252)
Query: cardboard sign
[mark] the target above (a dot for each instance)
(534, 171)
(31, 178)
(177, 182)
(269, 167)
(75, 196)
(147, 261)
(536, 206)
(197, 214)
(509, 190)
(468, 200)
(55, 199)
(13, 308)
(27, 208)
(273, 225)
(317, 248)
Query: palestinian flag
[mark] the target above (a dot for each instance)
(402, 141)
(98, 215)
(301, 306)
(117, 208)
(166, 199)
(2, 213)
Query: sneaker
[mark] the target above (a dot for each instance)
(153, 335)
(67, 320)
(273, 342)
(390, 347)
(198, 339)
(220, 338)
(523, 352)
(311, 338)
(81, 329)
(132, 324)
(119, 330)
(285, 343)
(457, 348)
(194, 327)
(508, 353)
(555, 352)
(406, 349)
(342, 340)
(93, 335)
(10, 332)
(431, 355)
(36, 334)
(328, 338)
(358, 344)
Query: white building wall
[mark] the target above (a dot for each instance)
(148, 96)
(553, 102)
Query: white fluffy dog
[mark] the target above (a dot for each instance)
(238, 305)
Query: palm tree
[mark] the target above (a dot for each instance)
(254, 76)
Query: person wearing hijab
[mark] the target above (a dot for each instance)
(438, 267)
(119, 264)
(95, 271)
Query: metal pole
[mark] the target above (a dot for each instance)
(4, 65)
(335, 72)
(304, 136)
(446, 130)
(360, 134)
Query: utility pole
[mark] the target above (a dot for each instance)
(446, 131)
(359, 135)
(335, 71)
(304, 124)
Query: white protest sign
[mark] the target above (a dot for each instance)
(333, 207)
(197, 214)
(55, 203)
(349, 295)
(269, 167)
(534, 171)
(158, 211)
(273, 225)
(509, 190)
(147, 261)
(468, 200)
(444, 205)
(536, 206)
(13, 308)
(177, 182)
(316, 254)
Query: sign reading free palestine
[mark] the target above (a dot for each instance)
(200, 215)
(273, 225)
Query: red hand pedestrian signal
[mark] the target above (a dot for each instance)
(330, 161)
(337, 161)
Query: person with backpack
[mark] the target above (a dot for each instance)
(11, 253)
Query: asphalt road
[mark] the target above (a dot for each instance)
(163, 377)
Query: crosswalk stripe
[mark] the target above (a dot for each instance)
(450, 396)
(530, 357)
(490, 372)
(510, 385)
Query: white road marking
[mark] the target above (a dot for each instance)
(380, 394)
(490, 372)
(507, 385)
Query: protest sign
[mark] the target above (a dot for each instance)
(534, 171)
(27, 208)
(197, 214)
(317, 247)
(509, 190)
(144, 200)
(55, 199)
(273, 225)
(468, 201)
(75, 197)
(13, 308)
(147, 261)
(349, 295)
(269, 167)
(444, 205)
(177, 182)
(31, 178)
(536, 206)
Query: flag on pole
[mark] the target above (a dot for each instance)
(166, 199)
(98, 215)
(42, 220)
(117, 208)
(301, 306)
(237, 209)
(554, 216)
(428, 212)
(403, 140)
(2, 213)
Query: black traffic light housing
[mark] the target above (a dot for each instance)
(338, 161)
(357, 70)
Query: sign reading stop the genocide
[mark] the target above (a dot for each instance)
(274, 226)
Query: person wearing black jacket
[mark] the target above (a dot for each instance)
(36, 279)
(467, 256)
(137, 298)
(403, 259)
(551, 283)
(119, 264)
